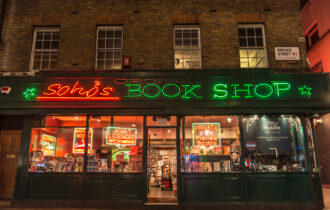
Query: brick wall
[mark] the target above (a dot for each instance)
(148, 30)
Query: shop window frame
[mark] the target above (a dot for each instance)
(255, 48)
(188, 49)
(106, 49)
(51, 51)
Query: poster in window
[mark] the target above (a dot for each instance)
(206, 134)
(121, 136)
(48, 144)
(79, 140)
(268, 134)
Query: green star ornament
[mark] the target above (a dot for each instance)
(30, 93)
(304, 90)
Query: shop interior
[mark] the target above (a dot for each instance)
(162, 165)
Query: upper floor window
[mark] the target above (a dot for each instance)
(252, 51)
(187, 47)
(109, 46)
(312, 36)
(44, 48)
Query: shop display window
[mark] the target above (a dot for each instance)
(274, 143)
(161, 120)
(117, 144)
(210, 144)
(59, 145)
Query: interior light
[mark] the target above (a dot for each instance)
(133, 125)
(53, 118)
(98, 120)
(76, 117)
(169, 130)
(229, 119)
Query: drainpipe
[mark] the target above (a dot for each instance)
(2, 16)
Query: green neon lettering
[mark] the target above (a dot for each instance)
(220, 91)
(248, 91)
(281, 86)
(190, 91)
(168, 95)
(269, 87)
(151, 96)
(134, 90)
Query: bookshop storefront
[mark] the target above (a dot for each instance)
(167, 137)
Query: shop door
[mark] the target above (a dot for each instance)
(9, 151)
(162, 166)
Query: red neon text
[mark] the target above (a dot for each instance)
(59, 92)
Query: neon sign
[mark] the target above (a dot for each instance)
(121, 136)
(169, 90)
(48, 145)
(30, 93)
(60, 92)
(206, 134)
(79, 140)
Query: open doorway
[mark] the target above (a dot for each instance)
(162, 165)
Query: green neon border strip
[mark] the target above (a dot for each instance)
(74, 139)
(55, 142)
(108, 132)
(193, 135)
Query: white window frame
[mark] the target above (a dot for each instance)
(262, 26)
(43, 29)
(113, 49)
(199, 48)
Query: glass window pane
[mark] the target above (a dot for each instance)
(117, 55)
(109, 43)
(251, 42)
(54, 45)
(250, 32)
(194, 33)
(117, 64)
(101, 43)
(100, 64)
(47, 35)
(178, 42)
(243, 53)
(258, 31)
(46, 45)
(211, 144)
(161, 120)
(194, 42)
(58, 148)
(109, 55)
(110, 34)
(101, 55)
(55, 36)
(178, 34)
(117, 43)
(38, 45)
(118, 33)
(117, 144)
(242, 42)
(187, 42)
(102, 33)
(260, 42)
(186, 34)
(242, 32)
(244, 62)
(40, 35)
(274, 143)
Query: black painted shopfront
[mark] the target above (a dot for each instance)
(215, 136)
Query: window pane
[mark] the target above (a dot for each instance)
(242, 32)
(109, 43)
(273, 143)
(178, 42)
(178, 34)
(102, 33)
(54, 45)
(186, 33)
(243, 53)
(118, 33)
(251, 42)
(194, 33)
(38, 45)
(211, 144)
(258, 31)
(46, 45)
(109, 55)
(117, 54)
(161, 120)
(242, 42)
(40, 35)
(187, 42)
(100, 64)
(55, 36)
(47, 35)
(260, 42)
(100, 55)
(250, 32)
(117, 146)
(194, 42)
(110, 34)
(58, 148)
(101, 43)
(117, 43)
(244, 62)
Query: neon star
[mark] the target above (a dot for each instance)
(304, 90)
(30, 93)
